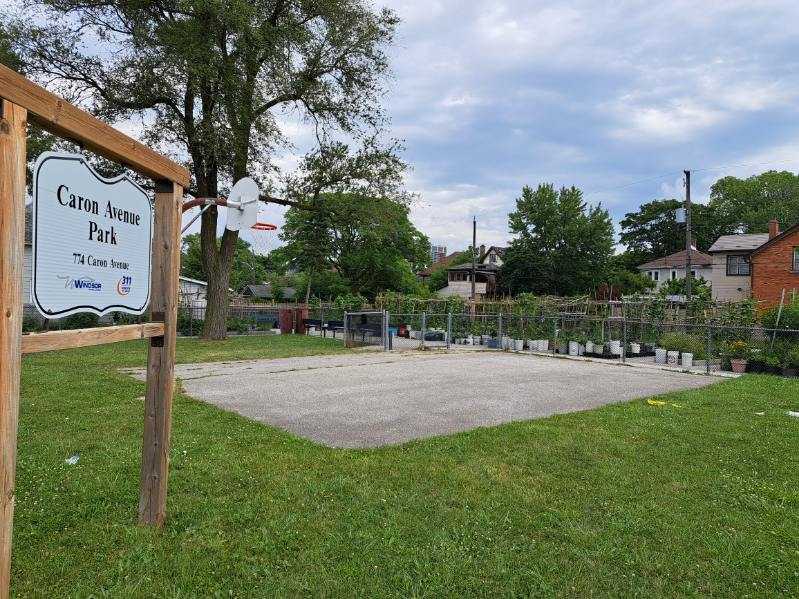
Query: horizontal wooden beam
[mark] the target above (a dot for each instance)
(54, 340)
(65, 120)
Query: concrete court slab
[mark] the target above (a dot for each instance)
(373, 399)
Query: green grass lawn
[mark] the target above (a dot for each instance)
(626, 500)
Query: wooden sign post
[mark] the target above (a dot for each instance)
(21, 101)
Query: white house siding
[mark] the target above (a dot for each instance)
(27, 269)
(492, 257)
(727, 288)
(463, 289)
(664, 274)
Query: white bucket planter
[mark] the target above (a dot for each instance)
(660, 356)
(544, 344)
(615, 348)
(518, 344)
(469, 340)
(673, 358)
(589, 347)
(635, 348)
(574, 348)
(687, 360)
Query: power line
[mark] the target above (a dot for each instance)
(696, 170)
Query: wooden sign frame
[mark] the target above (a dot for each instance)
(21, 101)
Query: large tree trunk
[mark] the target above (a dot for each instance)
(215, 325)
(218, 259)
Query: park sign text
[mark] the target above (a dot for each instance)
(91, 240)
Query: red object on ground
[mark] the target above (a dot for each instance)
(301, 317)
(286, 319)
(403, 331)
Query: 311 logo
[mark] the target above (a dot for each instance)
(124, 285)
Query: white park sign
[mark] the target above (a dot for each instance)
(91, 240)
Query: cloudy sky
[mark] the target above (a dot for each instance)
(490, 96)
(616, 97)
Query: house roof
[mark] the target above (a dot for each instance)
(480, 267)
(264, 291)
(438, 265)
(731, 243)
(195, 281)
(778, 238)
(679, 260)
(499, 251)
(260, 291)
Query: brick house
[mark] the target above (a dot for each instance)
(775, 266)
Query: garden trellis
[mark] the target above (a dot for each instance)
(22, 101)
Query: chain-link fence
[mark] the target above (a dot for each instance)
(699, 347)
(366, 329)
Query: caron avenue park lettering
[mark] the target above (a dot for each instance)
(91, 240)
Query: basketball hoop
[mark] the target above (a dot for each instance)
(241, 208)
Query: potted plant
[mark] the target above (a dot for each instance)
(661, 355)
(739, 353)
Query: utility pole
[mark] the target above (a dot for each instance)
(688, 240)
(474, 253)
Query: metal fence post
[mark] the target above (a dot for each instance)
(499, 331)
(624, 341)
(709, 346)
(449, 329)
(424, 328)
(346, 330)
(384, 332)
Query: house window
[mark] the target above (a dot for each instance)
(737, 266)
(796, 259)
(673, 274)
(492, 258)
(693, 274)
(654, 275)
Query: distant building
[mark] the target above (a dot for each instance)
(662, 270)
(438, 253)
(264, 292)
(425, 274)
(775, 266)
(459, 278)
(731, 275)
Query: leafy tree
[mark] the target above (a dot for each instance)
(371, 243)
(38, 140)
(210, 79)
(248, 268)
(653, 232)
(562, 246)
(747, 205)
(624, 278)
(700, 288)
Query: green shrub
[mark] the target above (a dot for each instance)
(80, 321)
(31, 324)
(789, 319)
(240, 325)
(684, 342)
(793, 358)
(188, 325)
